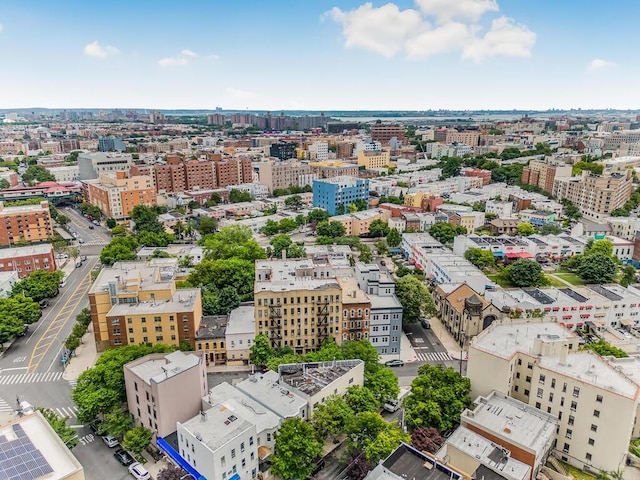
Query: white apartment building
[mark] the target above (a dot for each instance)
(538, 363)
(319, 151)
(240, 333)
(499, 208)
(624, 227)
(220, 442)
(70, 173)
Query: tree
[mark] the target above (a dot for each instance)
(525, 273)
(154, 239)
(172, 472)
(73, 252)
(331, 229)
(118, 230)
(238, 196)
(378, 228)
(261, 351)
(233, 241)
(294, 202)
(597, 268)
(72, 342)
(63, 219)
(59, 424)
(480, 258)
(137, 439)
(524, 229)
(384, 443)
(363, 350)
(207, 225)
(39, 285)
(361, 399)
(111, 222)
(116, 423)
(9, 328)
(296, 251)
(331, 416)
(317, 215)
(415, 298)
(21, 307)
(599, 247)
(296, 450)
(234, 273)
(450, 166)
(146, 219)
(374, 436)
(37, 174)
(427, 439)
(120, 248)
(550, 229)
(445, 232)
(438, 397)
(394, 238)
(4, 184)
(570, 210)
(366, 255)
(628, 275)
(383, 383)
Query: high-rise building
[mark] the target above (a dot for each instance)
(233, 171)
(115, 194)
(90, 165)
(111, 144)
(543, 174)
(371, 159)
(383, 132)
(138, 302)
(180, 175)
(283, 150)
(329, 193)
(333, 168)
(25, 223)
(595, 195)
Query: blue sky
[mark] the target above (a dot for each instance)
(319, 54)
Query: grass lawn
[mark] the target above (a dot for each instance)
(497, 278)
(572, 278)
(576, 473)
(554, 282)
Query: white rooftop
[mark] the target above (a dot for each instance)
(264, 387)
(262, 417)
(162, 369)
(241, 320)
(25, 251)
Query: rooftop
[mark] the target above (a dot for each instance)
(407, 462)
(11, 210)
(218, 425)
(492, 456)
(158, 370)
(264, 387)
(241, 320)
(263, 418)
(352, 293)
(290, 274)
(30, 449)
(146, 275)
(508, 418)
(26, 251)
(183, 300)
(310, 378)
(211, 327)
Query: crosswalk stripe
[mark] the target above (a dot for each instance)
(4, 406)
(434, 357)
(30, 378)
(66, 411)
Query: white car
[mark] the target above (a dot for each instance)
(63, 284)
(110, 441)
(138, 471)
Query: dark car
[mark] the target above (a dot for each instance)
(94, 426)
(425, 323)
(44, 303)
(91, 227)
(25, 330)
(123, 457)
(394, 363)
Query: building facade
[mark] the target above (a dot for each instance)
(543, 173)
(115, 194)
(26, 260)
(332, 192)
(25, 223)
(280, 175)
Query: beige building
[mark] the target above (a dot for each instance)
(543, 173)
(296, 305)
(358, 223)
(468, 138)
(240, 333)
(278, 175)
(538, 363)
(31, 448)
(334, 168)
(138, 302)
(115, 194)
(372, 159)
(356, 310)
(163, 389)
(595, 195)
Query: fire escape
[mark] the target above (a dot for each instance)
(275, 325)
(322, 318)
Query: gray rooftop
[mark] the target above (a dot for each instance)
(183, 300)
(264, 387)
(153, 275)
(310, 378)
(211, 327)
(241, 320)
(407, 462)
(160, 369)
(262, 417)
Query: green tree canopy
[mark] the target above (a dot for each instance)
(597, 268)
(524, 229)
(361, 399)
(383, 383)
(394, 238)
(415, 298)
(238, 196)
(525, 273)
(445, 232)
(605, 349)
(59, 424)
(261, 350)
(480, 258)
(119, 249)
(296, 450)
(146, 219)
(438, 397)
(317, 215)
(331, 229)
(111, 222)
(39, 285)
(331, 416)
(37, 174)
(378, 228)
(233, 241)
(628, 275)
(374, 436)
(137, 439)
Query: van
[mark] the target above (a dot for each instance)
(26, 407)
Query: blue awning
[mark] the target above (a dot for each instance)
(175, 456)
(498, 254)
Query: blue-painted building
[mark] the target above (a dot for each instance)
(331, 192)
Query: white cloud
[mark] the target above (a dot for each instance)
(599, 63)
(505, 38)
(382, 30)
(446, 10)
(239, 94)
(389, 31)
(94, 49)
(179, 60)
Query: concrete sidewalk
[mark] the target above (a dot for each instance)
(407, 353)
(83, 358)
(448, 342)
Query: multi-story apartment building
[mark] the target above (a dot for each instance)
(543, 173)
(68, 173)
(90, 165)
(279, 175)
(372, 159)
(319, 151)
(356, 308)
(499, 208)
(233, 171)
(179, 175)
(26, 260)
(163, 389)
(332, 192)
(386, 310)
(115, 194)
(138, 302)
(595, 195)
(469, 138)
(538, 363)
(358, 223)
(384, 132)
(10, 176)
(283, 150)
(296, 305)
(333, 168)
(25, 223)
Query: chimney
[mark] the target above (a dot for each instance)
(284, 254)
(564, 352)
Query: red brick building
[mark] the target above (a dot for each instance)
(233, 171)
(29, 223)
(26, 260)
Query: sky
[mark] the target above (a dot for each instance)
(320, 54)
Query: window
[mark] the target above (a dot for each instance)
(233, 453)
(564, 387)
(565, 449)
(528, 379)
(592, 442)
(588, 456)
(599, 398)
(569, 433)
(250, 440)
(571, 419)
(242, 447)
(223, 461)
(576, 392)
(526, 392)
(542, 379)
(596, 413)
(574, 406)
(268, 437)
(594, 428)
(553, 383)
(540, 393)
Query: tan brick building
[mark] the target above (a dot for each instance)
(543, 174)
(115, 194)
(278, 175)
(25, 223)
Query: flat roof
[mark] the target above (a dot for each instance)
(154, 275)
(25, 251)
(218, 425)
(158, 370)
(263, 418)
(264, 387)
(183, 300)
(309, 378)
(241, 320)
(407, 462)
(283, 276)
(11, 210)
(601, 290)
(509, 418)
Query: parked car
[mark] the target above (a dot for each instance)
(83, 258)
(110, 441)
(61, 256)
(63, 283)
(383, 263)
(91, 227)
(425, 323)
(93, 426)
(124, 457)
(80, 241)
(43, 303)
(394, 363)
(78, 264)
(25, 330)
(138, 471)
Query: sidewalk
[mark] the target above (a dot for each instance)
(84, 357)
(407, 353)
(448, 342)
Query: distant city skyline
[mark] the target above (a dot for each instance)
(323, 55)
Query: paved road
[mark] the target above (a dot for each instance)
(96, 236)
